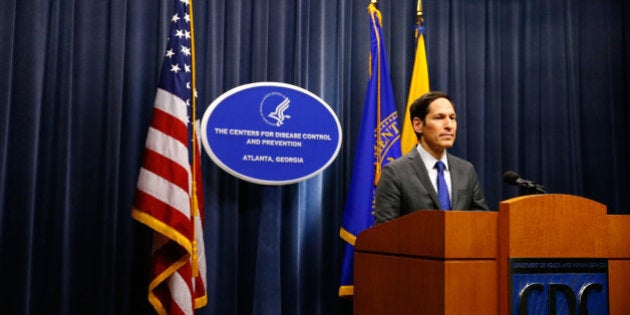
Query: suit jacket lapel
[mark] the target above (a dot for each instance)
(423, 175)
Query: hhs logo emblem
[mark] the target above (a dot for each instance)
(272, 108)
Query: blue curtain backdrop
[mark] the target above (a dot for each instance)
(541, 87)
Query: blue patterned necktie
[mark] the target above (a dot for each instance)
(442, 189)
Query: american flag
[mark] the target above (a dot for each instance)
(169, 193)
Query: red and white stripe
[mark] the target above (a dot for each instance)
(164, 201)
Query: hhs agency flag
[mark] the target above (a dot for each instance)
(379, 143)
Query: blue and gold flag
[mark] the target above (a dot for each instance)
(379, 143)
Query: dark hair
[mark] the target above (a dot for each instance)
(420, 107)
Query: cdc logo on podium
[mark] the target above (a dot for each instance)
(559, 286)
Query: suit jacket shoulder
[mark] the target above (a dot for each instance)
(466, 191)
(405, 186)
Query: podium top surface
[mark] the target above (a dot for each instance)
(544, 226)
(434, 234)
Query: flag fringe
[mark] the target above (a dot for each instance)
(153, 299)
(162, 228)
(347, 236)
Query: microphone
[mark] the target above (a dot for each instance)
(527, 186)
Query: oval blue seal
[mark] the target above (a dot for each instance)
(271, 133)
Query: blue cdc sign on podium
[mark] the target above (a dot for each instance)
(271, 133)
(569, 286)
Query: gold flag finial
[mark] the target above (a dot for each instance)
(419, 15)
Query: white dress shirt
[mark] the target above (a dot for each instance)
(429, 163)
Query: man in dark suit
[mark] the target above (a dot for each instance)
(412, 182)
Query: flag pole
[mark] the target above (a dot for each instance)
(199, 300)
(419, 13)
(419, 83)
(193, 115)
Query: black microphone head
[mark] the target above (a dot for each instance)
(510, 177)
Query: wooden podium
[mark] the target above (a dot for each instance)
(458, 262)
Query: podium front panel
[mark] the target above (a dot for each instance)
(410, 285)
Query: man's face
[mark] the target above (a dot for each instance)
(439, 128)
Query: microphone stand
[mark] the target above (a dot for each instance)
(529, 188)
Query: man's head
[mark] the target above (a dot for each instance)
(434, 120)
